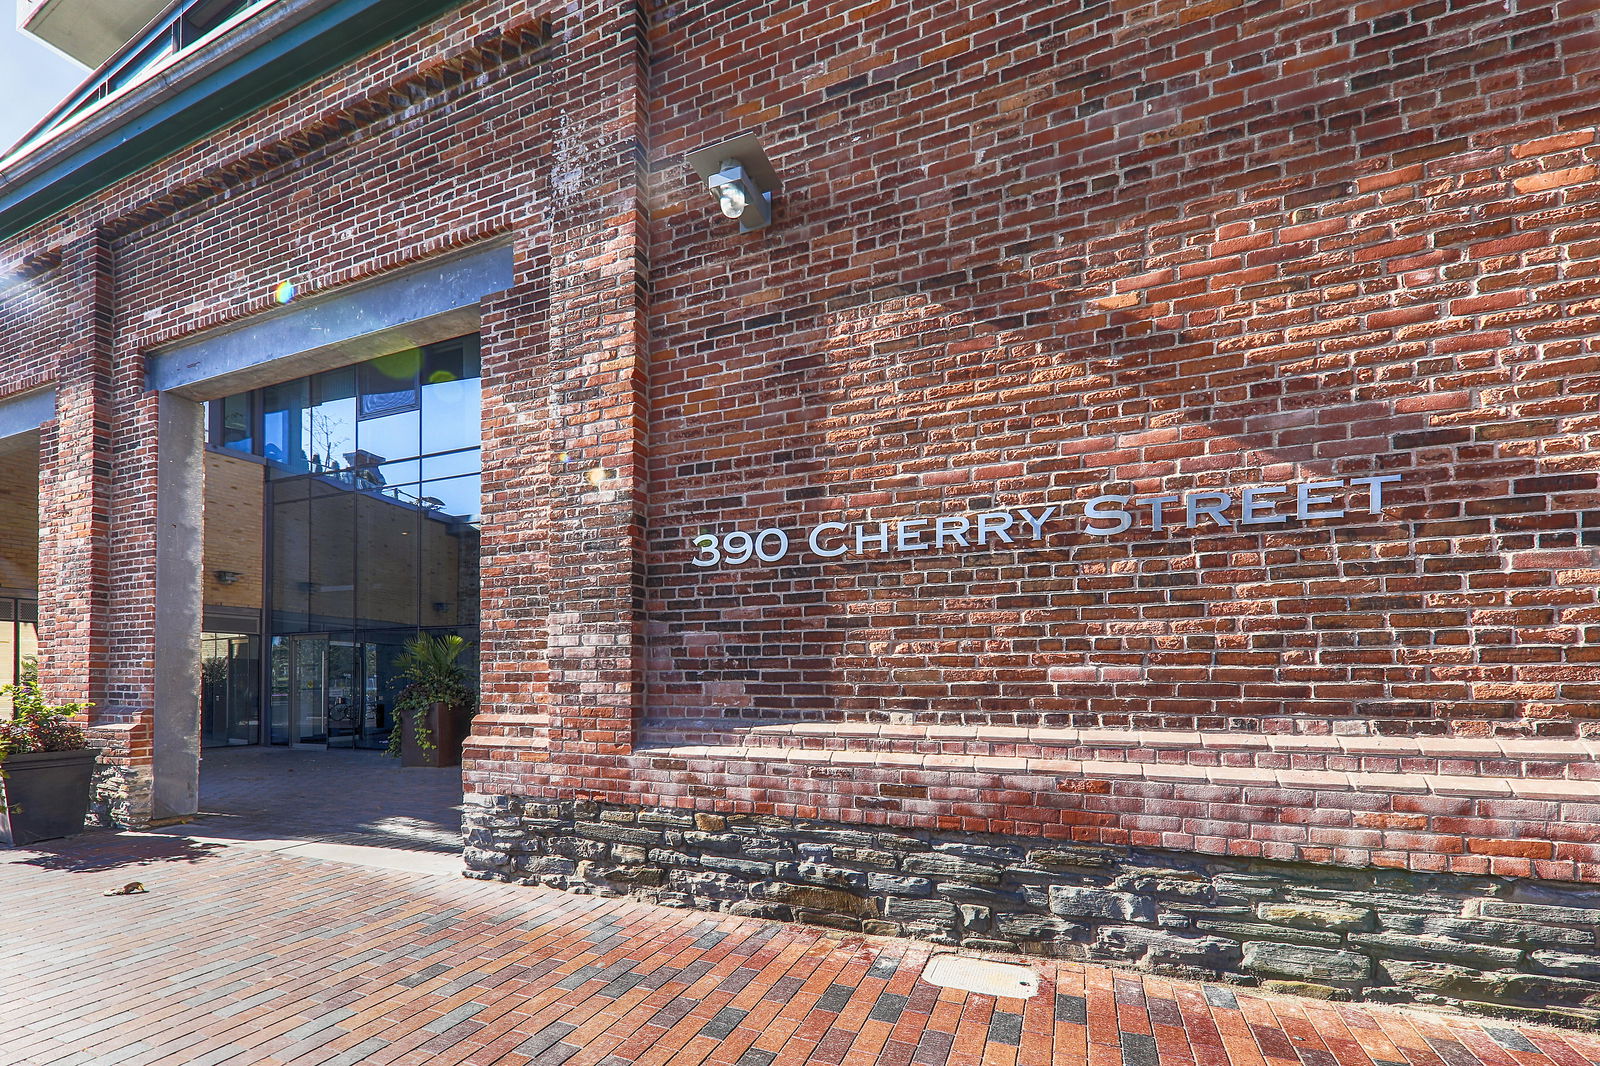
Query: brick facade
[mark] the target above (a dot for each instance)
(1024, 255)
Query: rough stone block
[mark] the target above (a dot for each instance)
(665, 818)
(1063, 858)
(828, 919)
(896, 885)
(1168, 949)
(668, 857)
(1302, 963)
(884, 860)
(818, 874)
(617, 834)
(813, 897)
(990, 897)
(1085, 902)
(935, 911)
(486, 860)
(546, 865)
(723, 843)
(1263, 931)
(1308, 916)
(1565, 964)
(1307, 989)
(983, 852)
(1435, 947)
(742, 867)
(1490, 931)
(754, 909)
(1036, 927)
(1531, 912)
(942, 866)
(1166, 885)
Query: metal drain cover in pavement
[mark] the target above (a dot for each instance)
(980, 975)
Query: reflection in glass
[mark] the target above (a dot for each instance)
(455, 497)
(373, 505)
(390, 437)
(291, 555)
(450, 464)
(9, 659)
(278, 682)
(389, 384)
(344, 692)
(449, 564)
(230, 670)
(308, 703)
(282, 417)
(386, 562)
(237, 432)
(451, 403)
(331, 580)
(331, 423)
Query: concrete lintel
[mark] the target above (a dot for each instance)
(26, 413)
(420, 305)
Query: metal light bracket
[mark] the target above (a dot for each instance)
(740, 160)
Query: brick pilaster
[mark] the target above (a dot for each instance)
(564, 421)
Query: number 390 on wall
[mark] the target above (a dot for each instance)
(768, 545)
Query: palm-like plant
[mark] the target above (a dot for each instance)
(432, 666)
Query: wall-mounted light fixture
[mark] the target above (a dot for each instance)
(228, 577)
(740, 178)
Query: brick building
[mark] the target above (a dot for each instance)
(1178, 421)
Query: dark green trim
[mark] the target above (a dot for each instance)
(294, 57)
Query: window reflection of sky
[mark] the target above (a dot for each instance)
(405, 426)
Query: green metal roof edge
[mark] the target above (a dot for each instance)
(295, 57)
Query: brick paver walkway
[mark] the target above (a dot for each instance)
(350, 797)
(241, 955)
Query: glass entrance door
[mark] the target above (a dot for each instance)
(343, 673)
(308, 690)
(331, 691)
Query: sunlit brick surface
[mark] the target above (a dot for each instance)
(237, 956)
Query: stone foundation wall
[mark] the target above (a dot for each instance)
(121, 795)
(1497, 946)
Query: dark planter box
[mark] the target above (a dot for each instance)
(449, 728)
(46, 795)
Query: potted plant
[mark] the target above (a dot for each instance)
(46, 765)
(433, 711)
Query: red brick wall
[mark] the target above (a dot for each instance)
(1028, 254)
(1024, 254)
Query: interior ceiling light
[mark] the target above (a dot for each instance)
(740, 178)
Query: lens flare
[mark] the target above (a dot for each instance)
(284, 292)
(597, 476)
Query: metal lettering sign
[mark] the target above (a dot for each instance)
(1103, 516)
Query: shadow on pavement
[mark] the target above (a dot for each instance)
(94, 852)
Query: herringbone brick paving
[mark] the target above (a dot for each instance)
(247, 956)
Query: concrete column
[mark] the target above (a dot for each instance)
(180, 533)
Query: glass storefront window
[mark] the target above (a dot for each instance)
(389, 384)
(331, 422)
(393, 436)
(237, 429)
(373, 500)
(450, 464)
(451, 402)
(283, 411)
(230, 677)
(19, 641)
